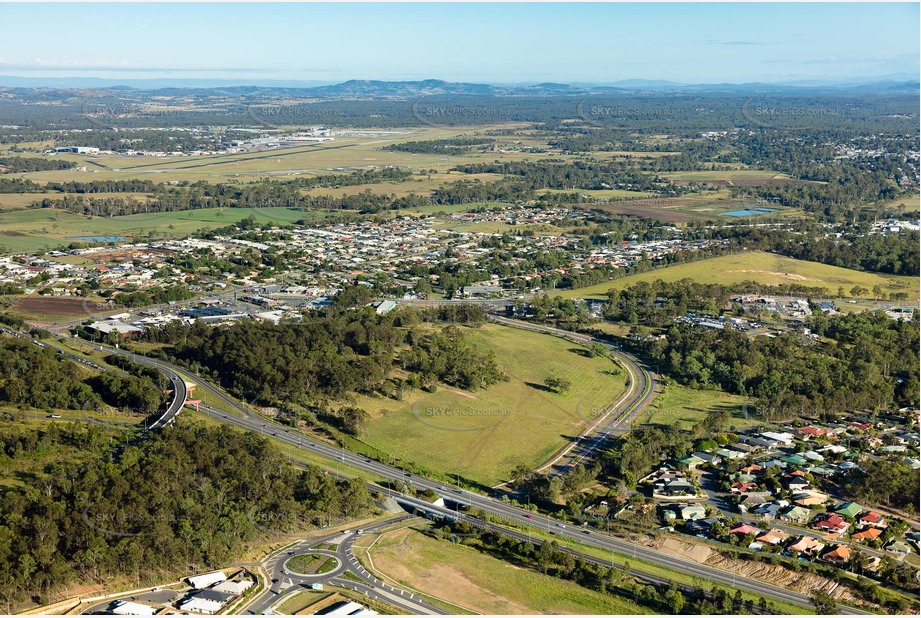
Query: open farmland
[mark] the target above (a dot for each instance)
(764, 268)
(483, 435)
(460, 574)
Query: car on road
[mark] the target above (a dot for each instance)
(529, 516)
(561, 525)
(54, 416)
(440, 488)
(586, 532)
(275, 581)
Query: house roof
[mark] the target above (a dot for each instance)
(832, 521)
(744, 529)
(773, 536)
(869, 534)
(809, 498)
(851, 509)
(807, 543)
(837, 552)
(871, 517)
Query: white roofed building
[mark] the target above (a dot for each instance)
(206, 579)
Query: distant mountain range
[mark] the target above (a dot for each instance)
(374, 89)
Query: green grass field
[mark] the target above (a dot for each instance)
(461, 575)
(682, 407)
(765, 268)
(483, 435)
(34, 229)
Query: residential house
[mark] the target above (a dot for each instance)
(773, 537)
(796, 484)
(768, 510)
(837, 554)
(849, 509)
(899, 546)
(810, 498)
(740, 488)
(796, 514)
(872, 519)
(806, 546)
(729, 454)
(708, 458)
(832, 523)
(810, 432)
(744, 529)
(870, 534)
(691, 461)
(674, 487)
(778, 438)
(693, 511)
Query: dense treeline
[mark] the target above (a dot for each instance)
(451, 146)
(893, 253)
(888, 481)
(153, 296)
(190, 497)
(326, 359)
(445, 356)
(36, 377)
(870, 362)
(573, 175)
(15, 165)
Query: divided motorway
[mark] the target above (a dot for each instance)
(251, 421)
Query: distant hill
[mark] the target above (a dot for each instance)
(402, 90)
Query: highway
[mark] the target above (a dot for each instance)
(493, 506)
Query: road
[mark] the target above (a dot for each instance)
(285, 582)
(520, 516)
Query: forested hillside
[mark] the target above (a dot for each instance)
(189, 497)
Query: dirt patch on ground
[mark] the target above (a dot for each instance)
(790, 276)
(12, 233)
(661, 212)
(59, 306)
(804, 583)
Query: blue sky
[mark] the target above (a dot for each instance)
(497, 43)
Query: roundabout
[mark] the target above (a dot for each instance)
(316, 563)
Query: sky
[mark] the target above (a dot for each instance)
(486, 43)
